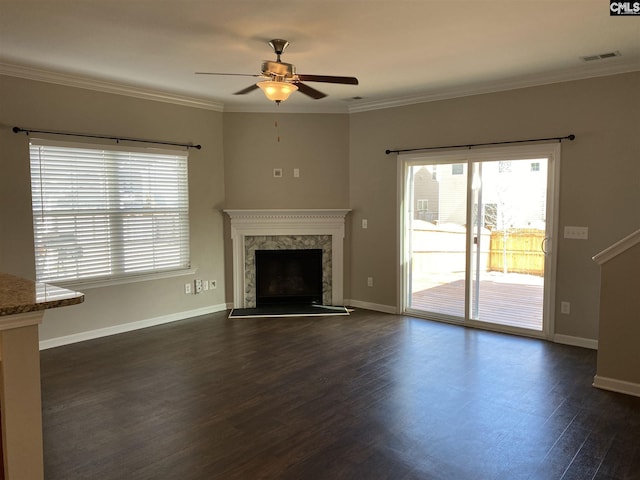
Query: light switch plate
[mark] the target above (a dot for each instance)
(577, 233)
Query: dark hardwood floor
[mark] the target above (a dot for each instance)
(368, 396)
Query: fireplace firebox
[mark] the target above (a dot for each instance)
(291, 277)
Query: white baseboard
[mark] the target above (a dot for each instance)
(615, 385)
(372, 306)
(557, 338)
(576, 341)
(128, 327)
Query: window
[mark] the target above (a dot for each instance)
(457, 169)
(106, 212)
(504, 166)
(490, 220)
(535, 166)
(423, 204)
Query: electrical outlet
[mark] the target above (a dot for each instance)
(296, 173)
(187, 288)
(213, 284)
(369, 281)
(565, 307)
(205, 285)
(365, 224)
(197, 286)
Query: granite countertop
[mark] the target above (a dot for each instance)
(19, 295)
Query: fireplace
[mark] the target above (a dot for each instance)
(290, 277)
(253, 230)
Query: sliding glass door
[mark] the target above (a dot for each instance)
(477, 235)
(435, 237)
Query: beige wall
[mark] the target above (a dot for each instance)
(316, 144)
(342, 164)
(619, 339)
(37, 105)
(599, 184)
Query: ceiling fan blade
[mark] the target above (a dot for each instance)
(328, 79)
(228, 74)
(249, 89)
(309, 91)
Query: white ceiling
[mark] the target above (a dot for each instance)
(402, 51)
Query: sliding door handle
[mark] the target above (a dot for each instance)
(543, 245)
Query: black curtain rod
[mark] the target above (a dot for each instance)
(470, 145)
(117, 139)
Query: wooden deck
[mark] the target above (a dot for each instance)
(512, 304)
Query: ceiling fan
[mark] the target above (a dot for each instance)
(280, 79)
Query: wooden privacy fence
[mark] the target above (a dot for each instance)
(517, 251)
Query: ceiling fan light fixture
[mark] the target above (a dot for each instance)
(277, 91)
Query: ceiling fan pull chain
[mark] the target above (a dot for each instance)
(276, 123)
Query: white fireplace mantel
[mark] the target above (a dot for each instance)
(247, 223)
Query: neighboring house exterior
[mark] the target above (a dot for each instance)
(513, 193)
(426, 195)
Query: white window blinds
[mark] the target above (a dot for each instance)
(108, 212)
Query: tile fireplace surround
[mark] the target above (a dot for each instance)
(276, 229)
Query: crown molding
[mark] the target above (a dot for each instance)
(41, 75)
(609, 67)
(30, 73)
(535, 80)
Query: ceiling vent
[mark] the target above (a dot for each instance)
(600, 56)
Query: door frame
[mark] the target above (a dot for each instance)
(468, 156)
